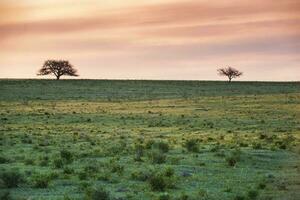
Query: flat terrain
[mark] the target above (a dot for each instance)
(185, 140)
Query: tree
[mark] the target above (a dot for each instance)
(58, 68)
(230, 72)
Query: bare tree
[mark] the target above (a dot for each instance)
(230, 72)
(58, 68)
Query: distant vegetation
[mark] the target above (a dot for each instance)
(150, 140)
(116, 90)
(57, 68)
(230, 72)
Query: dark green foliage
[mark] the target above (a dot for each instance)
(40, 180)
(149, 144)
(97, 194)
(192, 145)
(169, 171)
(157, 157)
(116, 168)
(202, 194)
(162, 146)
(233, 157)
(29, 161)
(164, 196)
(157, 182)
(239, 197)
(68, 170)
(183, 196)
(257, 145)
(58, 163)
(11, 178)
(141, 175)
(252, 194)
(66, 156)
(3, 160)
(5, 195)
(161, 180)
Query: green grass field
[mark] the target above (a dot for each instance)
(161, 140)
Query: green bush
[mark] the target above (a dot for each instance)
(157, 157)
(58, 163)
(169, 171)
(68, 170)
(29, 161)
(40, 180)
(162, 146)
(157, 182)
(164, 196)
(149, 144)
(11, 178)
(97, 194)
(252, 194)
(117, 168)
(3, 160)
(191, 145)
(233, 157)
(66, 155)
(239, 197)
(141, 175)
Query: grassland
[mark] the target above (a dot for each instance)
(185, 140)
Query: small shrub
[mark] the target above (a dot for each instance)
(157, 157)
(44, 161)
(257, 145)
(117, 168)
(11, 178)
(262, 185)
(82, 175)
(157, 182)
(3, 160)
(97, 194)
(141, 175)
(58, 163)
(231, 161)
(233, 157)
(252, 194)
(66, 155)
(191, 145)
(149, 144)
(169, 171)
(239, 197)
(68, 170)
(29, 161)
(202, 194)
(183, 196)
(162, 146)
(164, 196)
(40, 181)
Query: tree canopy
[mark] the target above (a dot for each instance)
(58, 68)
(230, 72)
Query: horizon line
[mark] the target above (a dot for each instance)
(129, 79)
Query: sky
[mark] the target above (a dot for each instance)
(152, 39)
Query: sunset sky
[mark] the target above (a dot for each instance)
(152, 39)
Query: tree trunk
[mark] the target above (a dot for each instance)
(57, 77)
(230, 80)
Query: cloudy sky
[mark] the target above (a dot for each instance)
(152, 39)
